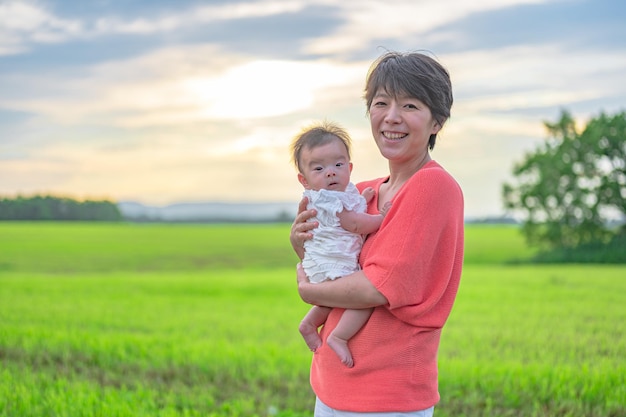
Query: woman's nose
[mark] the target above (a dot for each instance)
(393, 113)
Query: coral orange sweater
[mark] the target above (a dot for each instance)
(415, 261)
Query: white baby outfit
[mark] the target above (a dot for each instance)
(333, 252)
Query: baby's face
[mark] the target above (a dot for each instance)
(325, 167)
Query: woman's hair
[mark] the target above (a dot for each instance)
(412, 75)
(315, 135)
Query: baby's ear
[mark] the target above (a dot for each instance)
(303, 181)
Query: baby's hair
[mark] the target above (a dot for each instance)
(315, 135)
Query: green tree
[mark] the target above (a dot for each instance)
(573, 183)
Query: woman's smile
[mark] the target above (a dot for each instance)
(394, 135)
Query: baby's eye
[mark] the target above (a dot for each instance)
(339, 164)
(317, 169)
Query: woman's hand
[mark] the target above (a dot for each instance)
(301, 228)
(301, 275)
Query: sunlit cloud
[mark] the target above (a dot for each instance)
(267, 88)
(157, 90)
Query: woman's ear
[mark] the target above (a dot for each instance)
(437, 126)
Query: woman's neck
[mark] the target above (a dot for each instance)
(398, 175)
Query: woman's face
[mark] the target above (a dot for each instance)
(401, 127)
(325, 167)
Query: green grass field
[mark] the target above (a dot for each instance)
(201, 320)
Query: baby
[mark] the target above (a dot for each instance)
(321, 154)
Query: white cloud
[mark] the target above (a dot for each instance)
(26, 22)
(21, 16)
(367, 21)
(197, 16)
(515, 79)
(23, 22)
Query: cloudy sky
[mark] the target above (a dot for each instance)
(185, 101)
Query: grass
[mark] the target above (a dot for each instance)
(183, 320)
(193, 338)
(50, 247)
(536, 341)
(611, 252)
(73, 248)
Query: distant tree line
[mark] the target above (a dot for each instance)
(57, 208)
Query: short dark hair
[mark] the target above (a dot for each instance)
(415, 75)
(315, 135)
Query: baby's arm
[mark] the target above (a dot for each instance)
(363, 223)
(360, 223)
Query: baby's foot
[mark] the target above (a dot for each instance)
(310, 335)
(340, 346)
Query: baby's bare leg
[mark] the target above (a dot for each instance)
(309, 325)
(350, 323)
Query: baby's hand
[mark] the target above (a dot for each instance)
(368, 194)
(386, 208)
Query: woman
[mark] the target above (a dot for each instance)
(411, 266)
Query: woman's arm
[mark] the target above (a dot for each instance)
(351, 291)
(301, 228)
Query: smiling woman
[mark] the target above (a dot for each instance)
(265, 88)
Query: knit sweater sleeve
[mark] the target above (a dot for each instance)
(410, 259)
